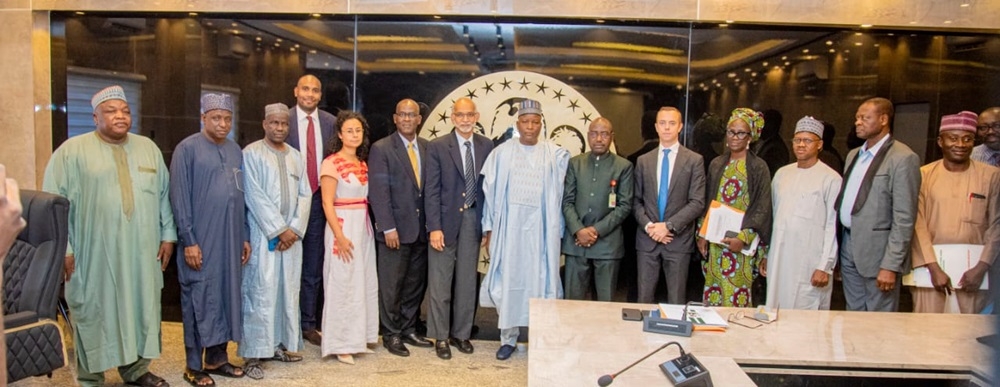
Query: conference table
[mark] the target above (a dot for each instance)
(573, 343)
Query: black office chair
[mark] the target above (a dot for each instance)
(32, 274)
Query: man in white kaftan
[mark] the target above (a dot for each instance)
(523, 224)
(278, 198)
(803, 244)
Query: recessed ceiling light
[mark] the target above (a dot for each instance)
(947, 22)
(753, 74)
(784, 58)
(829, 42)
(866, 26)
(80, 13)
(832, 51)
(316, 15)
(234, 24)
(599, 21)
(192, 14)
(805, 51)
(964, 5)
(312, 51)
(723, 25)
(858, 43)
(746, 70)
(765, 64)
(788, 63)
(730, 21)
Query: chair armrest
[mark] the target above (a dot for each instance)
(19, 319)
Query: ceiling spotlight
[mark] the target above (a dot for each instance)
(753, 74)
(296, 45)
(876, 44)
(784, 58)
(279, 40)
(723, 25)
(503, 53)
(847, 51)
(80, 13)
(829, 42)
(258, 39)
(680, 87)
(805, 51)
(621, 81)
(947, 22)
(312, 51)
(746, 70)
(858, 43)
(435, 16)
(292, 49)
(731, 75)
(316, 15)
(765, 64)
(832, 51)
(729, 21)
(193, 14)
(234, 24)
(964, 5)
(599, 21)
(788, 63)
(866, 26)
(277, 44)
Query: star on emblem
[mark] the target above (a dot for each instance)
(505, 83)
(488, 87)
(471, 93)
(442, 117)
(573, 104)
(558, 95)
(541, 87)
(434, 132)
(586, 118)
(524, 84)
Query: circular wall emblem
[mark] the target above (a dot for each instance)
(567, 114)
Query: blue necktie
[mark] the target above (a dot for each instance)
(661, 199)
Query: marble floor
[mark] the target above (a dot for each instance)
(421, 368)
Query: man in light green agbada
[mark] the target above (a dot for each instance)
(121, 237)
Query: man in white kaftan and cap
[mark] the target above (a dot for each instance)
(522, 223)
(804, 243)
(278, 198)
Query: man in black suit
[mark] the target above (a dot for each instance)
(669, 197)
(454, 198)
(395, 170)
(315, 127)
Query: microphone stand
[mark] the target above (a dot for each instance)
(606, 380)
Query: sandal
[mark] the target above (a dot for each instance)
(253, 369)
(285, 356)
(195, 377)
(226, 369)
(149, 380)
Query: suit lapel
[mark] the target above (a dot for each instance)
(866, 183)
(293, 129)
(455, 152)
(678, 162)
(481, 152)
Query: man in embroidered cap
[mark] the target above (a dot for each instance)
(522, 223)
(959, 203)
(988, 129)
(207, 193)
(803, 247)
(876, 207)
(278, 199)
(119, 221)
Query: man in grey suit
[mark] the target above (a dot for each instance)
(454, 206)
(669, 197)
(395, 170)
(306, 121)
(877, 207)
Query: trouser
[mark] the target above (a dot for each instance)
(928, 300)
(451, 283)
(508, 336)
(402, 280)
(129, 372)
(675, 272)
(311, 291)
(862, 293)
(214, 355)
(580, 272)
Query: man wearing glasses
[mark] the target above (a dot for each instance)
(989, 132)
(804, 237)
(597, 198)
(396, 170)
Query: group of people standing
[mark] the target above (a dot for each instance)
(263, 229)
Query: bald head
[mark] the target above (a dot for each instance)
(464, 116)
(308, 93)
(599, 136)
(407, 118)
(988, 127)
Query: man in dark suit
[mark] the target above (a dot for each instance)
(597, 198)
(875, 241)
(395, 170)
(454, 198)
(306, 121)
(669, 197)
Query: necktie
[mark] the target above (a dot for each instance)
(661, 199)
(311, 155)
(413, 162)
(995, 159)
(470, 176)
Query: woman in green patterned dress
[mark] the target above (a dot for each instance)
(740, 180)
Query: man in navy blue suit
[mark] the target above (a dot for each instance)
(309, 128)
(395, 171)
(453, 199)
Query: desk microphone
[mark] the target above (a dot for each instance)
(606, 380)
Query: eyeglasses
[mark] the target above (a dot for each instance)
(465, 115)
(758, 319)
(807, 141)
(995, 126)
(599, 134)
(407, 115)
(737, 135)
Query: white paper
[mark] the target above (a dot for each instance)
(725, 218)
(955, 260)
(699, 315)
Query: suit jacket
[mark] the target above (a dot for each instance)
(885, 209)
(327, 124)
(444, 190)
(585, 203)
(685, 200)
(396, 199)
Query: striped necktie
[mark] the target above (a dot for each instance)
(470, 176)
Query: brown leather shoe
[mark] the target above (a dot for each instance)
(313, 337)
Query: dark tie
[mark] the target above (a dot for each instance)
(995, 159)
(311, 155)
(470, 176)
(661, 199)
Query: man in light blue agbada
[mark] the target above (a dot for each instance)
(278, 198)
(522, 223)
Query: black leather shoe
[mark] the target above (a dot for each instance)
(395, 346)
(505, 351)
(313, 337)
(417, 340)
(442, 349)
(464, 346)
